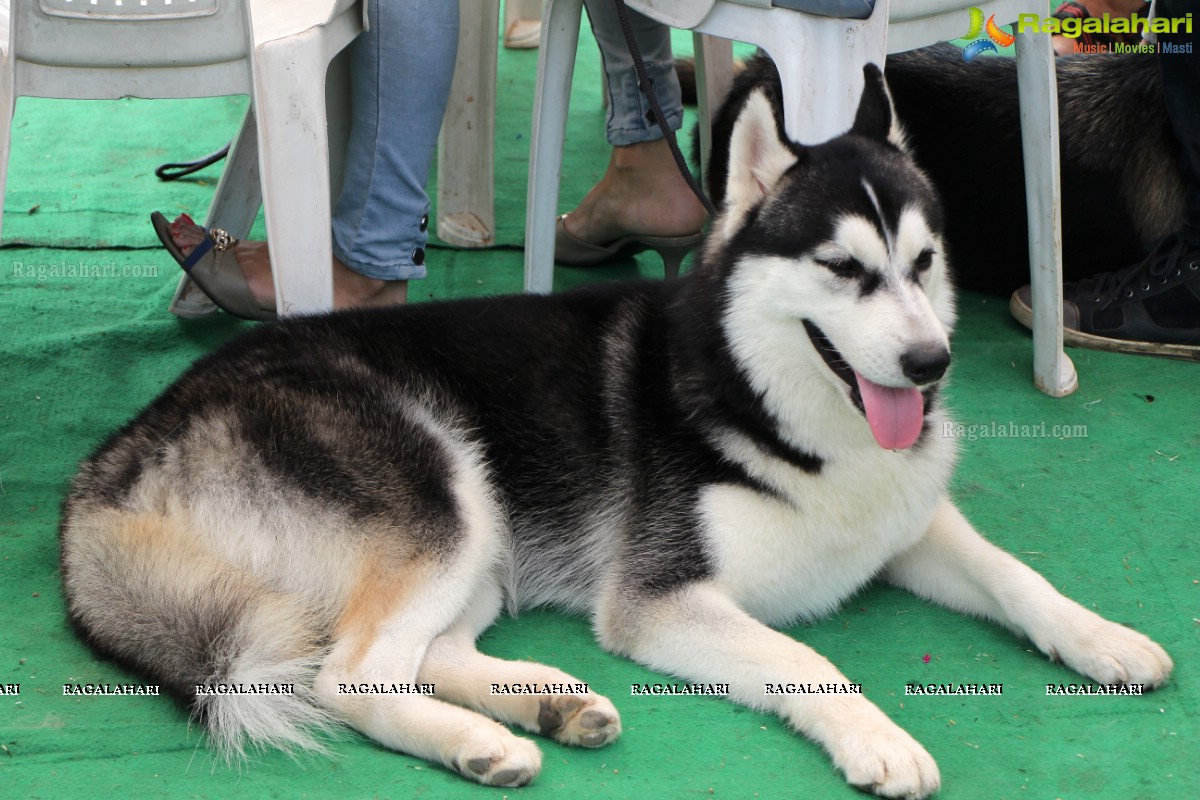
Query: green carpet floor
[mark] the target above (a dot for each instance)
(1108, 514)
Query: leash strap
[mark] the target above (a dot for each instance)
(646, 84)
(173, 172)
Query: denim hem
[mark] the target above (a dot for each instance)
(629, 120)
(401, 271)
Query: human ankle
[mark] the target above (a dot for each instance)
(352, 289)
(641, 156)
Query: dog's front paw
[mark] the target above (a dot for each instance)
(881, 758)
(1110, 653)
(498, 760)
(587, 721)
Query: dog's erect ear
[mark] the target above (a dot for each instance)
(757, 156)
(876, 117)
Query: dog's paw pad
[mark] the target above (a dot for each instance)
(511, 777)
(506, 761)
(592, 719)
(587, 721)
(479, 766)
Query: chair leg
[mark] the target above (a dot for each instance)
(7, 106)
(714, 77)
(466, 162)
(1053, 372)
(556, 64)
(293, 151)
(338, 115)
(234, 206)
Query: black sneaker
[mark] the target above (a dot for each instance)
(1152, 307)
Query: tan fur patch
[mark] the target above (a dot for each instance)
(177, 555)
(382, 585)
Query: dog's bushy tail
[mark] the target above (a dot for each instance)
(143, 591)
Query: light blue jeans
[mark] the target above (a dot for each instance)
(627, 121)
(401, 69)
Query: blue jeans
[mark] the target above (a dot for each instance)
(400, 70)
(627, 108)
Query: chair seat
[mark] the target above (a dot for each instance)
(916, 9)
(689, 13)
(846, 9)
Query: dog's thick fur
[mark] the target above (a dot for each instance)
(353, 498)
(1122, 187)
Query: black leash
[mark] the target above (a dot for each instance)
(173, 172)
(646, 84)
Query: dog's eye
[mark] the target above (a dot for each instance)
(923, 261)
(844, 267)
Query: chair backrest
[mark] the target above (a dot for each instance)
(103, 49)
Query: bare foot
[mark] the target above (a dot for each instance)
(643, 193)
(350, 289)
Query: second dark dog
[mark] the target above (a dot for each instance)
(1121, 184)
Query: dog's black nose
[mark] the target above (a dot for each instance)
(923, 365)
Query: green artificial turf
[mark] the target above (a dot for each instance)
(1108, 514)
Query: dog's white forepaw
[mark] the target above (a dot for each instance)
(881, 758)
(1110, 653)
(587, 721)
(498, 759)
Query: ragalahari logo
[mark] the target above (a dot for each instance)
(995, 36)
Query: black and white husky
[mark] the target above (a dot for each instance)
(344, 503)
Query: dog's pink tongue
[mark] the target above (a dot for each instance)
(895, 415)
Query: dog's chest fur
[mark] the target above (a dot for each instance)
(798, 554)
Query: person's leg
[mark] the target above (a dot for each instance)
(1153, 306)
(401, 82)
(1181, 91)
(628, 121)
(642, 192)
(399, 89)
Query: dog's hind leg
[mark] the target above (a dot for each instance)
(954, 566)
(564, 708)
(699, 633)
(393, 615)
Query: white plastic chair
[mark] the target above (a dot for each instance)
(820, 61)
(276, 51)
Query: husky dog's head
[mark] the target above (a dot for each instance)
(833, 262)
